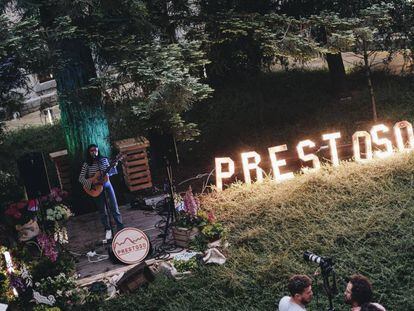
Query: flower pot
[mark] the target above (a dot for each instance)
(183, 236)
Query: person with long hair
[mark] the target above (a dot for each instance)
(359, 294)
(96, 163)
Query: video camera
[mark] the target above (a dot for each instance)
(328, 274)
(324, 262)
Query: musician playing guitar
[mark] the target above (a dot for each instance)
(94, 166)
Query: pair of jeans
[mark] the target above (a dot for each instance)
(100, 201)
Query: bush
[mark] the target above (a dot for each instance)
(9, 189)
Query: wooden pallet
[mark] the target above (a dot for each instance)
(61, 161)
(137, 174)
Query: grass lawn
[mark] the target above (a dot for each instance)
(361, 215)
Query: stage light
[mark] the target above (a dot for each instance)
(220, 174)
(332, 145)
(368, 146)
(278, 176)
(381, 141)
(398, 135)
(308, 157)
(248, 166)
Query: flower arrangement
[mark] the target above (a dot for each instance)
(42, 268)
(47, 245)
(21, 212)
(58, 212)
(190, 216)
(63, 289)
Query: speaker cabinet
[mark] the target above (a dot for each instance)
(32, 170)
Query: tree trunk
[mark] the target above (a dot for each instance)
(337, 72)
(370, 87)
(82, 113)
(83, 117)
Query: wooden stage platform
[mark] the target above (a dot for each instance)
(86, 234)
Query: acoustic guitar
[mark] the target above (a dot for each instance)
(100, 178)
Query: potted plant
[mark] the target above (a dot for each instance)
(188, 221)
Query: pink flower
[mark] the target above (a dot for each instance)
(211, 218)
(57, 195)
(48, 246)
(190, 203)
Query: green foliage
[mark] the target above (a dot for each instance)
(186, 220)
(199, 243)
(45, 308)
(186, 265)
(214, 231)
(67, 293)
(162, 85)
(9, 189)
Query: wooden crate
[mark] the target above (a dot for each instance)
(135, 278)
(61, 161)
(183, 236)
(137, 174)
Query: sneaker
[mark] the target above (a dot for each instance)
(108, 235)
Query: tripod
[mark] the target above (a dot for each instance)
(330, 289)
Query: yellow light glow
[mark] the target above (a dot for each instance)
(398, 135)
(308, 157)
(279, 177)
(10, 268)
(248, 166)
(219, 171)
(381, 141)
(368, 146)
(332, 145)
(9, 262)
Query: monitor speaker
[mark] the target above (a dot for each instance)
(32, 170)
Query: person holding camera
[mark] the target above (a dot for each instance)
(300, 289)
(359, 294)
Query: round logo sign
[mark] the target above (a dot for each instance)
(130, 245)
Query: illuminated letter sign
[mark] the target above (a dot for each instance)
(368, 146)
(247, 167)
(308, 157)
(219, 172)
(398, 135)
(332, 145)
(404, 143)
(381, 141)
(278, 163)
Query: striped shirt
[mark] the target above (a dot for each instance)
(89, 171)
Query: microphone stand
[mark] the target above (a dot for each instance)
(171, 214)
